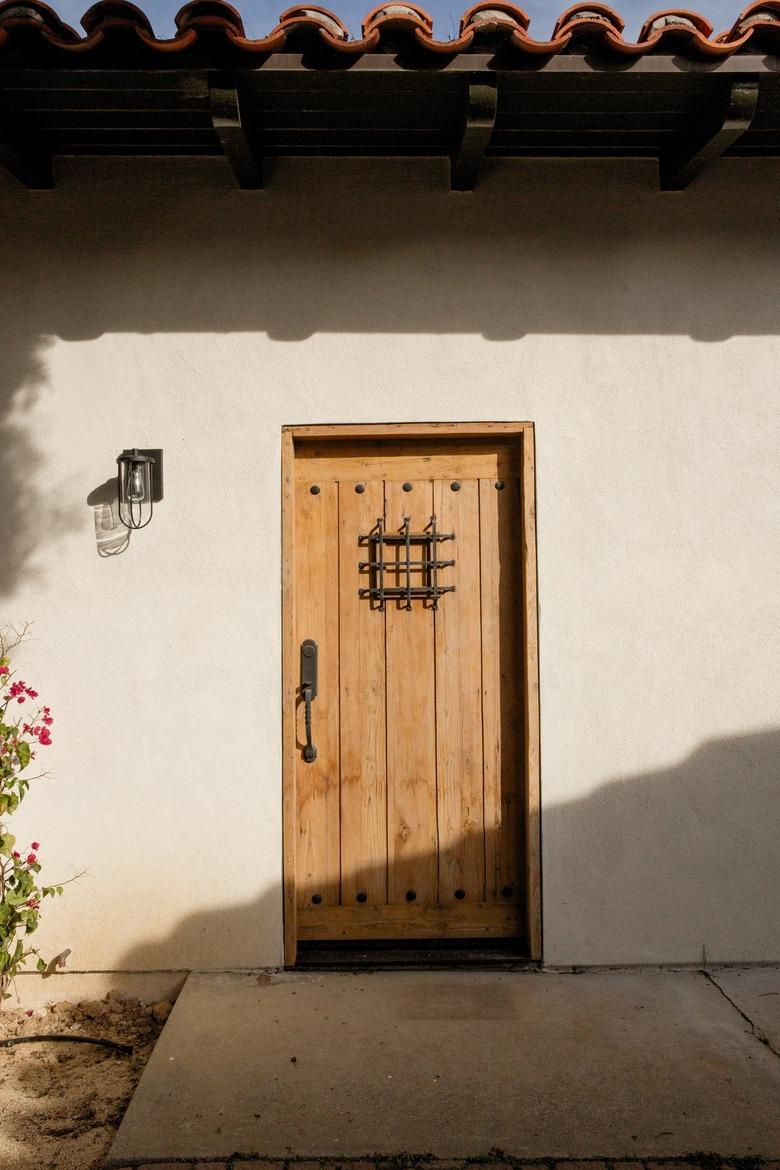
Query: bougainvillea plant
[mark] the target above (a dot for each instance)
(25, 727)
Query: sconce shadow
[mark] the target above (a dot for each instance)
(111, 535)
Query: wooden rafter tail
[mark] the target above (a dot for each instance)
(231, 125)
(703, 145)
(27, 163)
(477, 129)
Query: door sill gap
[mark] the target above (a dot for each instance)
(425, 955)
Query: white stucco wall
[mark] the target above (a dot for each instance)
(150, 304)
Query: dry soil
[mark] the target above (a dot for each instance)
(61, 1103)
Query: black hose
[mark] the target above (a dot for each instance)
(127, 1048)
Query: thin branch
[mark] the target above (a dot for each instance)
(12, 636)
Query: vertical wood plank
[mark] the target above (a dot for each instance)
(531, 699)
(459, 700)
(362, 688)
(317, 617)
(502, 695)
(289, 803)
(411, 718)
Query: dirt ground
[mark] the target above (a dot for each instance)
(61, 1103)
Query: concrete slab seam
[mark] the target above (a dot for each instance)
(495, 1160)
(759, 1033)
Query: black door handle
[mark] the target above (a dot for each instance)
(309, 692)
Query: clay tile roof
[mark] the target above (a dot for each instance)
(30, 29)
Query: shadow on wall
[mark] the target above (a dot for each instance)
(363, 247)
(112, 538)
(28, 516)
(657, 841)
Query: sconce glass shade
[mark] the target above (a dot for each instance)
(134, 488)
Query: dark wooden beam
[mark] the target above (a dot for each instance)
(25, 160)
(476, 128)
(230, 124)
(711, 136)
(740, 64)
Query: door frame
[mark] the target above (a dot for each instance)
(523, 433)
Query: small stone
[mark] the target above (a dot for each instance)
(161, 1010)
(64, 1010)
(443, 1164)
(580, 1166)
(132, 1002)
(94, 1009)
(170, 1166)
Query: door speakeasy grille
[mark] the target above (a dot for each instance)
(429, 565)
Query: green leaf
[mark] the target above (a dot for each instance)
(7, 842)
(23, 753)
(41, 965)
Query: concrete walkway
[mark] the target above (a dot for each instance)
(453, 1065)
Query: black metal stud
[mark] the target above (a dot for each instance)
(407, 487)
(507, 891)
(411, 895)
(360, 488)
(316, 899)
(455, 485)
(361, 897)
(500, 485)
(460, 895)
(315, 489)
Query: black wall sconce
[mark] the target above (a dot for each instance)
(139, 485)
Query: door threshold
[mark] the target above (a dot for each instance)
(428, 954)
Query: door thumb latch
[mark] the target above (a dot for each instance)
(308, 692)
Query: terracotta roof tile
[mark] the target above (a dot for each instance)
(116, 29)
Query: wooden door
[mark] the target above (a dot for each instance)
(405, 570)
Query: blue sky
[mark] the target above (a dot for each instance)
(261, 15)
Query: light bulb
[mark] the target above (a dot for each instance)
(135, 485)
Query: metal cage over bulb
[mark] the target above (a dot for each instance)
(138, 486)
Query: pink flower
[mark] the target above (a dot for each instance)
(47, 719)
(34, 845)
(4, 670)
(16, 855)
(44, 737)
(33, 694)
(31, 859)
(33, 903)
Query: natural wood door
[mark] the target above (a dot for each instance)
(406, 571)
